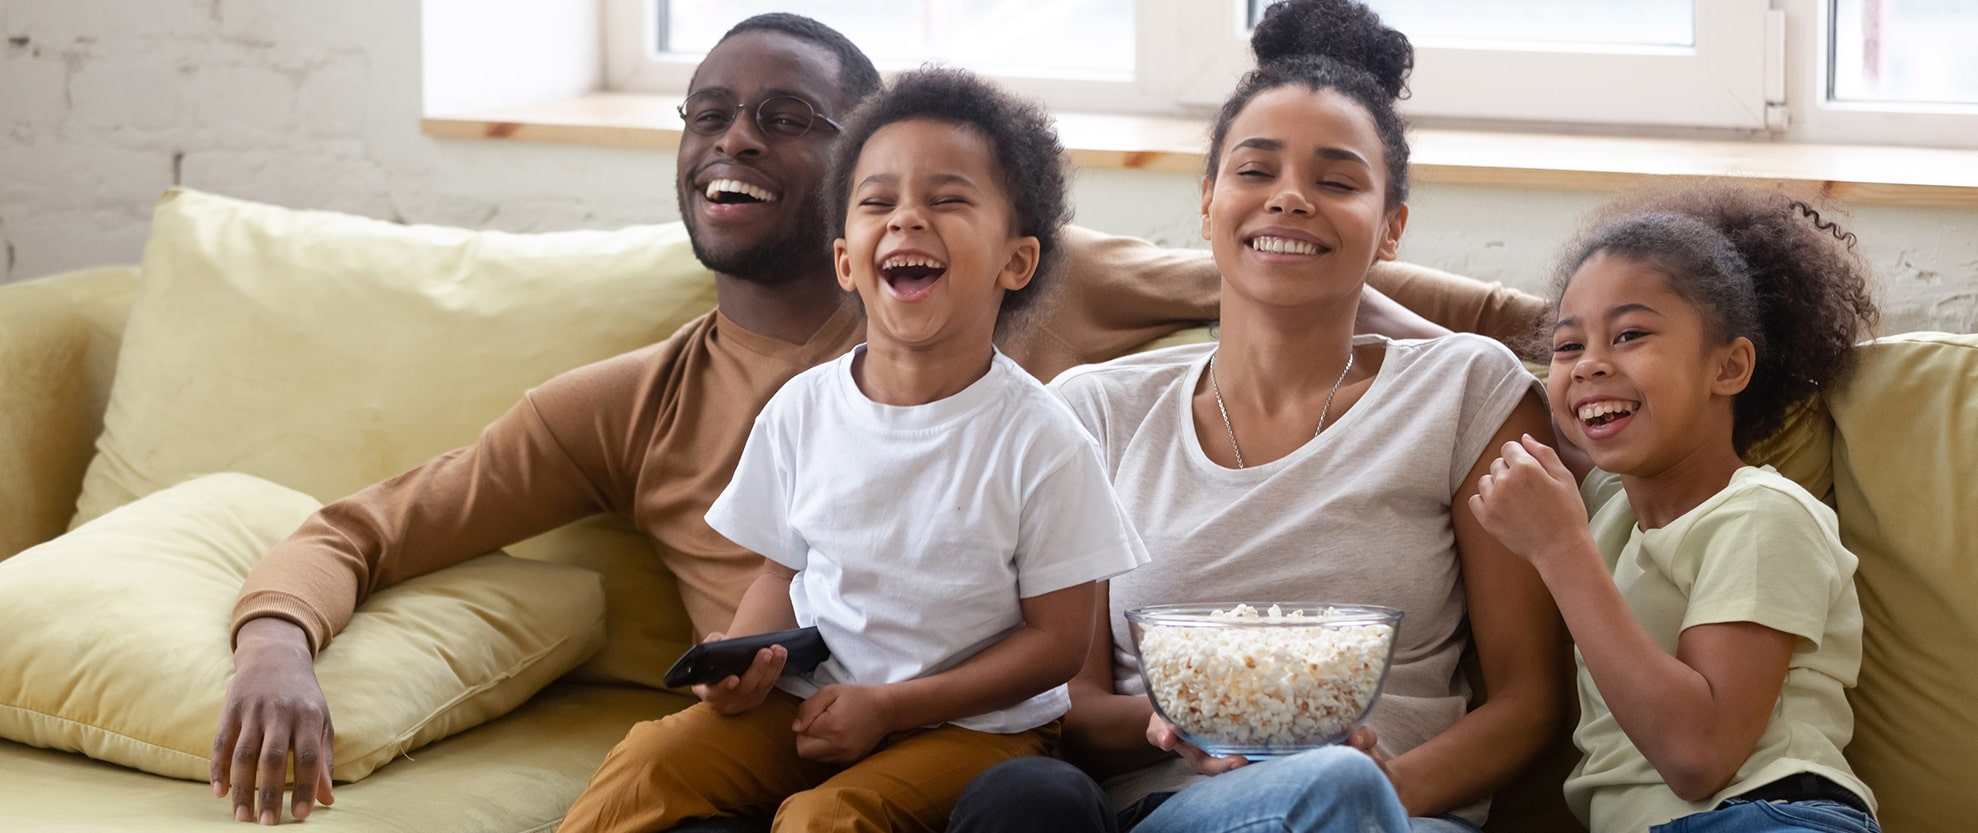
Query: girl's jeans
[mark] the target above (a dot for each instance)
(1766, 817)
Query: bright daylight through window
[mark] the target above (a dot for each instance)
(1547, 64)
(1911, 51)
(1075, 38)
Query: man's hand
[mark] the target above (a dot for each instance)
(274, 711)
(841, 723)
(733, 695)
(1163, 736)
(1531, 503)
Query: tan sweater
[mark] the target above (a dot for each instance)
(654, 435)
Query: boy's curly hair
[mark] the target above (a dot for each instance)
(1756, 263)
(1029, 158)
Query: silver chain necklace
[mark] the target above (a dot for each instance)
(1231, 430)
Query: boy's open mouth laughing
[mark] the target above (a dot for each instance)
(910, 276)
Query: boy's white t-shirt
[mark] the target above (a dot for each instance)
(917, 530)
(1763, 551)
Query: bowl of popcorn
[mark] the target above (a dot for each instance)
(1263, 680)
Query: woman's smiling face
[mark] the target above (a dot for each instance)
(1296, 212)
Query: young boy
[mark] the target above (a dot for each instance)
(922, 501)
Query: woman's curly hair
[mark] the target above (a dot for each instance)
(1338, 45)
(1754, 262)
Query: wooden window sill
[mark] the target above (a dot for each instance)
(1860, 174)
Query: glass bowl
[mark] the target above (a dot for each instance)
(1263, 680)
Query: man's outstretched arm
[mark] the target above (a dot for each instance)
(1116, 293)
(523, 477)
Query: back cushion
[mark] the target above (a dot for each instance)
(325, 352)
(1906, 488)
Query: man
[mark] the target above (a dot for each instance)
(655, 434)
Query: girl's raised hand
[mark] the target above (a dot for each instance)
(1531, 502)
(1163, 736)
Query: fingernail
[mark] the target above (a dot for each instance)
(217, 792)
(302, 809)
(241, 813)
(268, 817)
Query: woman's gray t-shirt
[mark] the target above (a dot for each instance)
(1360, 514)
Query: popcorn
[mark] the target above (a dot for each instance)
(1264, 687)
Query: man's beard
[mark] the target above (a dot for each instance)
(796, 253)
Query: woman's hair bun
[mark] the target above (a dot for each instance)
(1343, 30)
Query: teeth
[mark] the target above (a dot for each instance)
(737, 186)
(1283, 245)
(1598, 409)
(903, 261)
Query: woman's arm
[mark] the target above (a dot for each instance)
(1697, 715)
(1106, 733)
(1521, 646)
(1461, 304)
(1381, 314)
(845, 722)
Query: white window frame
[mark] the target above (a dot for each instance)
(1754, 70)
(632, 64)
(1816, 119)
(1720, 83)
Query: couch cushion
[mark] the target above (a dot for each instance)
(326, 352)
(1905, 453)
(117, 635)
(515, 775)
(58, 350)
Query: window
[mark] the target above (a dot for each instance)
(1913, 52)
(1090, 39)
(1073, 54)
(1823, 70)
(1885, 71)
(1687, 63)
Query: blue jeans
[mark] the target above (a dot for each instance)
(1769, 817)
(1324, 790)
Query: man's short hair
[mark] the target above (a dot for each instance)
(857, 77)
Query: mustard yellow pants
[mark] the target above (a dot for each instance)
(697, 763)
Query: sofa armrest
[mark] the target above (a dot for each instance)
(58, 350)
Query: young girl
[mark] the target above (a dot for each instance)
(922, 501)
(1715, 655)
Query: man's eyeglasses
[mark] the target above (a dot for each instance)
(710, 113)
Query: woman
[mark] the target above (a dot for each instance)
(1296, 461)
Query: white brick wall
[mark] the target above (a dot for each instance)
(316, 104)
(105, 103)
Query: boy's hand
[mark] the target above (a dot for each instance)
(1531, 502)
(737, 694)
(1163, 736)
(840, 723)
